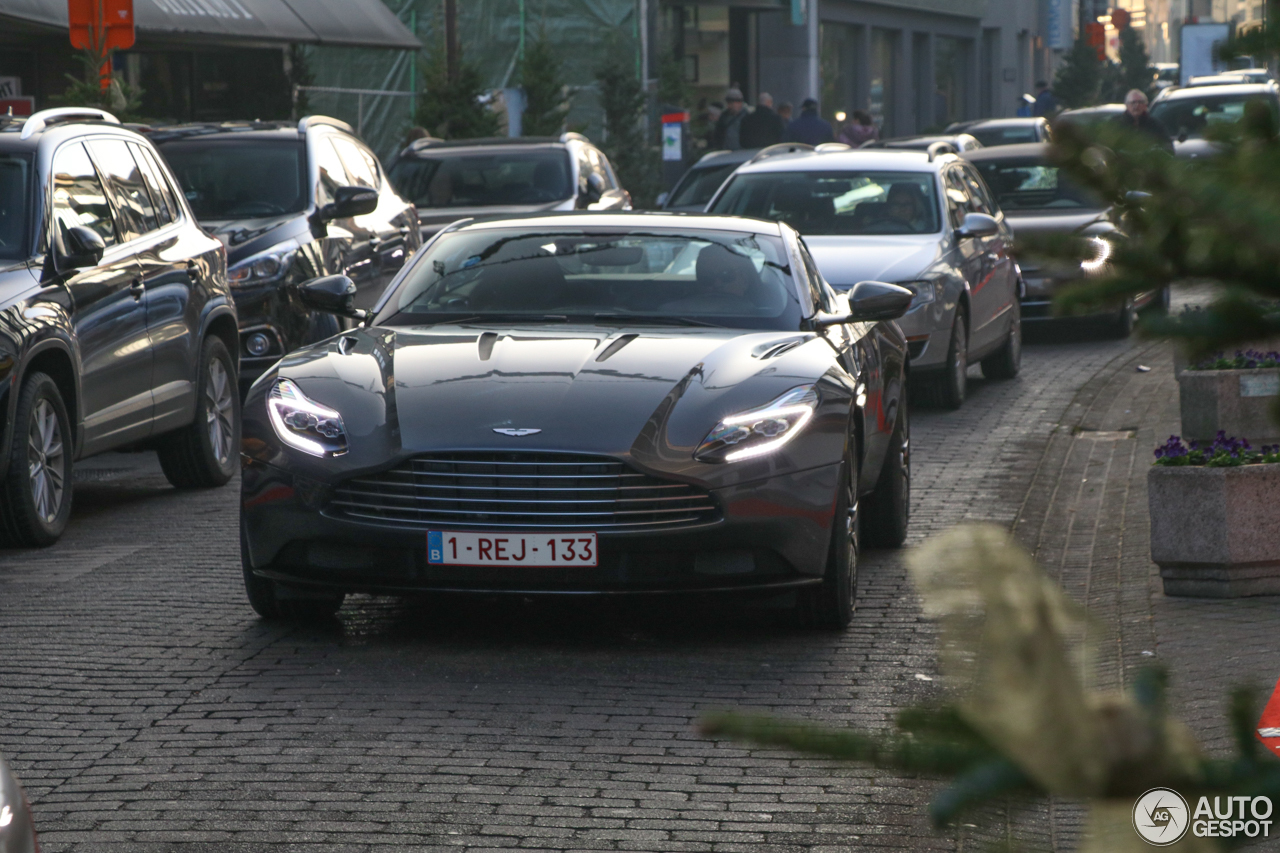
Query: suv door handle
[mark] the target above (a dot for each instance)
(137, 288)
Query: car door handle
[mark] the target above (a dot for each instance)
(137, 288)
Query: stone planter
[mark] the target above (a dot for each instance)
(1216, 531)
(1237, 401)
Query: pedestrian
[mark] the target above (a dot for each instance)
(1046, 104)
(763, 127)
(728, 130)
(1026, 103)
(1137, 118)
(784, 113)
(859, 131)
(708, 115)
(810, 128)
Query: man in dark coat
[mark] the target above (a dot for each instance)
(810, 128)
(1046, 104)
(728, 131)
(1136, 117)
(763, 127)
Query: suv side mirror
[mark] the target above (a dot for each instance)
(978, 225)
(595, 188)
(348, 202)
(81, 247)
(612, 200)
(869, 302)
(332, 294)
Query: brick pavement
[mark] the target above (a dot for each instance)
(147, 709)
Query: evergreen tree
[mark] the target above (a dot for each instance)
(1135, 64)
(451, 109)
(1080, 77)
(635, 159)
(545, 93)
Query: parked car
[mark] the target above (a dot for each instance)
(1090, 116)
(1227, 78)
(1165, 74)
(118, 327)
(17, 830)
(1038, 199)
(957, 143)
(1188, 113)
(923, 221)
(603, 403)
(291, 202)
(1004, 131)
(696, 186)
(449, 181)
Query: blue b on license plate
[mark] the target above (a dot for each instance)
(458, 548)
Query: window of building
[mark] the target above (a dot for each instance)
(884, 79)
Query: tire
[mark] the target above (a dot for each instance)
(946, 388)
(1005, 362)
(1121, 325)
(264, 598)
(830, 605)
(886, 513)
(205, 454)
(35, 498)
(1160, 305)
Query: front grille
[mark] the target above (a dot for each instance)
(522, 490)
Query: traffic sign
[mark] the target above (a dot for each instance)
(101, 26)
(1269, 725)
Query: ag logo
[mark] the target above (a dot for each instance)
(1160, 816)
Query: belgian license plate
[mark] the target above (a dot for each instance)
(456, 548)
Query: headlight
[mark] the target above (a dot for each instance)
(264, 267)
(925, 292)
(1099, 251)
(303, 423)
(759, 431)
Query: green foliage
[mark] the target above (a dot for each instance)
(119, 98)
(1080, 76)
(1135, 64)
(451, 109)
(636, 159)
(300, 74)
(545, 92)
(673, 89)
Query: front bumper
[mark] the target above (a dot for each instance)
(770, 534)
(928, 333)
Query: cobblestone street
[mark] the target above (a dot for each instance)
(146, 708)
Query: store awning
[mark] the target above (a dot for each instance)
(347, 23)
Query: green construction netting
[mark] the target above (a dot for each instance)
(589, 32)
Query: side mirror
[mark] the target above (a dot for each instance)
(869, 302)
(332, 294)
(661, 201)
(595, 188)
(1136, 196)
(978, 225)
(1183, 134)
(348, 202)
(612, 200)
(81, 247)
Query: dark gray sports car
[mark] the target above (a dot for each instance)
(599, 403)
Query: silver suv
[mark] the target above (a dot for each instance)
(924, 220)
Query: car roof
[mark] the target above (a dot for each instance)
(725, 158)
(628, 219)
(1097, 108)
(857, 158)
(1021, 151)
(1188, 92)
(1020, 121)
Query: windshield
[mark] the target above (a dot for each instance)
(15, 173)
(700, 185)
(239, 178)
(818, 203)
(504, 177)
(1031, 185)
(1195, 115)
(609, 276)
(1013, 135)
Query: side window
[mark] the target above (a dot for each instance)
(126, 187)
(78, 197)
(359, 163)
(983, 202)
(601, 167)
(821, 295)
(957, 198)
(166, 209)
(331, 171)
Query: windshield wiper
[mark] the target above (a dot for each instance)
(652, 320)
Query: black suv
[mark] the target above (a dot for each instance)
(449, 181)
(291, 202)
(117, 327)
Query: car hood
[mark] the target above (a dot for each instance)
(585, 388)
(1050, 222)
(246, 237)
(845, 261)
(435, 218)
(1194, 148)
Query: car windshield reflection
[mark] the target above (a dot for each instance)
(820, 203)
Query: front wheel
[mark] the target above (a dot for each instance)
(267, 601)
(888, 509)
(204, 454)
(35, 499)
(1005, 362)
(947, 388)
(1122, 324)
(830, 605)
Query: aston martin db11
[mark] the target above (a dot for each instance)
(583, 403)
